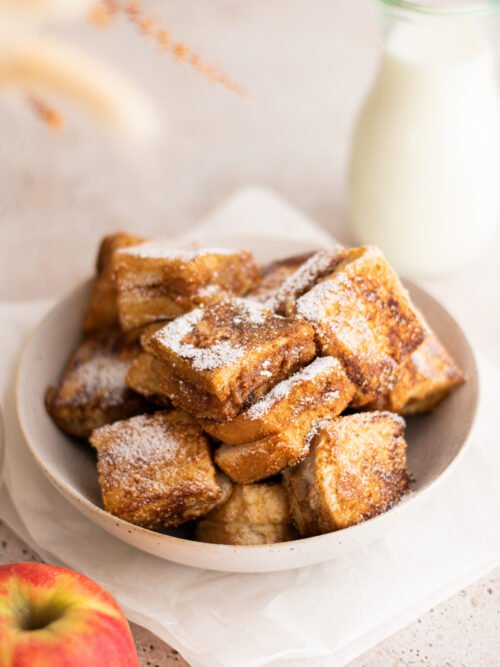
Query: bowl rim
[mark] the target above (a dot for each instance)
(77, 499)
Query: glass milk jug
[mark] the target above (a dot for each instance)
(424, 181)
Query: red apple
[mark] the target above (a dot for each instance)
(53, 617)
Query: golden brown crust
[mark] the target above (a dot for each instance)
(254, 461)
(156, 470)
(149, 330)
(220, 357)
(142, 333)
(424, 380)
(102, 310)
(144, 377)
(319, 265)
(322, 383)
(362, 315)
(245, 370)
(156, 281)
(143, 305)
(190, 397)
(356, 469)
(274, 274)
(92, 391)
(254, 514)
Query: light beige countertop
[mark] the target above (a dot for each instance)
(306, 66)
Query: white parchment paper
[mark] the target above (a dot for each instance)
(324, 615)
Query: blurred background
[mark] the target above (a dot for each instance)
(305, 67)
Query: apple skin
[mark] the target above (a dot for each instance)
(85, 626)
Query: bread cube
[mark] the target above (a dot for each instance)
(102, 310)
(355, 470)
(92, 391)
(156, 470)
(322, 383)
(363, 315)
(254, 514)
(159, 281)
(220, 357)
(144, 377)
(424, 379)
(254, 461)
(142, 333)
(274, 274)
(317, 266)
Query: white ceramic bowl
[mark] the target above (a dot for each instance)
(435, 442)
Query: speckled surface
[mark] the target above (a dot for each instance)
(152, 652)
(306, 66)
(464, 631)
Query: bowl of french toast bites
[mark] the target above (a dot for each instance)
(243, 417)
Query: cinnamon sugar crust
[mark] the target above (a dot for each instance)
(424, 380)
(228, 354)
(259, 460)
(363, 315)
(145, 377)
(92, 390)
(102, 310)
(251, 438)
(356, 469)
(254, 514)
(159, 281)
(322, 383)
(274, 274)
(310, 272)
(156, 470)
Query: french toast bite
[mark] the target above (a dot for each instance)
(144, 377)
(363, 315)
(274, 274)
(355, 470)
(142, 333)
(102, 310)
(254, 461)
(149, 330)
(424, 380)
(254, 514)
(219, 357)
(92, 391)
(158, 281)
(317, 266)
(156, 470)
(323, 383)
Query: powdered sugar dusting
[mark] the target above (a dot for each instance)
(311, 306)
(204, 359)
(281, 390)
(103, 375)
(220, 354)
(317, 266)
(251, 311)
(421, 362)
(145, 441)
(164, 250)
(265, 372)
(209, 290)
(316, 427)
